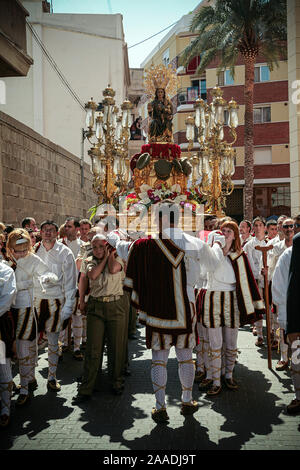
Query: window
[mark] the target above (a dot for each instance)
(225, 78)
(261, 73)
(201, 88)
(192, 92)
(262, 114)
(263, 156)
(281, 196)
(166, 57)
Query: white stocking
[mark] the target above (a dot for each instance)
(231, 335)
(259, 328)
(274, 322)
(26, 352)
(52, 354)
(77, 329)
(200, 349)
(159, 376)
(283, 347)
(186, 372)
(215, 343)
(295, 369)
(6, 385)
(206, 354)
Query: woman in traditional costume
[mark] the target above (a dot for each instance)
(231, 299)
(28, 266)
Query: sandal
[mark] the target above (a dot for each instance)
(188, 408)
(160, 416)
(282, 365)
(214, 390)
(4, 421)
(231, 384)
(259, 342)
(199, 376)
(22, 399)
(205, 384)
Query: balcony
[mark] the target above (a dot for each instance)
(14, 61)
(186, 97)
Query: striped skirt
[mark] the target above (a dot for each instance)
(25, 323)
(7, 333)
(218, 308)
(48, 313)
(158, 341)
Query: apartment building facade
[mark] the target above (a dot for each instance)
(271, 118)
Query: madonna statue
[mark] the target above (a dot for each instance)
(161, 114)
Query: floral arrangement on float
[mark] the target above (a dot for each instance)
(191, 198)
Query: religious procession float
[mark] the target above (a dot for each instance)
(198, 182)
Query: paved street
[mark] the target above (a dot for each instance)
(249, 419)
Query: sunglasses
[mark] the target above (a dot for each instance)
(296, 225)
(288, 226)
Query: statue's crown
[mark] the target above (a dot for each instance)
(160, 76)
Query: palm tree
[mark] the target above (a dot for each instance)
(233, 28)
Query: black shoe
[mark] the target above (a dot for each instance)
(293, 407)
(53, 385)
(189, 408)
(127, 372)
(132, 336)
(22, 399)
(80, 399)
(78, 355)
(160, 416)
(32, 386)
(118, 390)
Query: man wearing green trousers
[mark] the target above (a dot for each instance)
(106, 315)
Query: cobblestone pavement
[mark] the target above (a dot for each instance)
(252, 418)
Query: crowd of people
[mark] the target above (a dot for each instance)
(83, 286)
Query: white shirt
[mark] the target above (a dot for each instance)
(60, 261)
(243, 242)
(273, 256)
(74, 245)
(280, 284)
(8, 288)
(223, 277)
(27, 269)
(254, 256)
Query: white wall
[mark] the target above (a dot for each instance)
(88, 50)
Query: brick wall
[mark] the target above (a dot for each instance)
(39, 178)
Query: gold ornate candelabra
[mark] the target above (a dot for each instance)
(108, 134)
(215, 162)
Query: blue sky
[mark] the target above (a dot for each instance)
(140, 19)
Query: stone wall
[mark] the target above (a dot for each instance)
(39, 178)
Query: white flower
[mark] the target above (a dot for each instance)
(146, 200)
(145, 188)
(180, 198)
(157, 192)
(143, 195)
(176, 188)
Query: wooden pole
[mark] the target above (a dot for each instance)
(264, 250)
